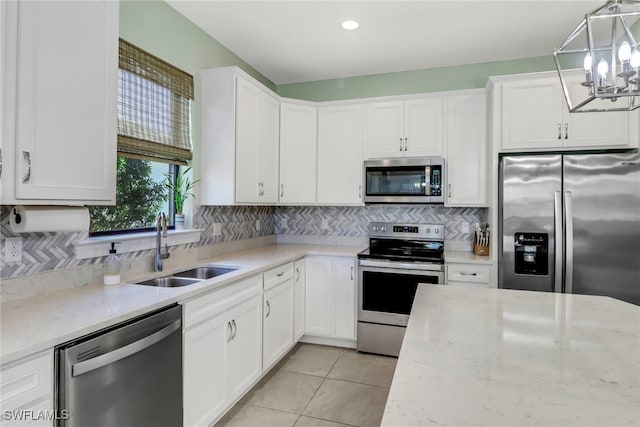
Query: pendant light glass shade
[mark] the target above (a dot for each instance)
(599, 62)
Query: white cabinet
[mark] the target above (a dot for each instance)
(410, 128)
(466, 149)
(27, 385)
(222, 349)
(331, 297)
(277, 313)
(299, 286)
(298, 136)
(476, 275)
(240, 136)
(530, 113)
(60, 102)
(340, 155)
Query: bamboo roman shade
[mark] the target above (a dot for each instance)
(154, 108)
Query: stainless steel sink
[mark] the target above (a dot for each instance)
(169, 282)
(206, 272)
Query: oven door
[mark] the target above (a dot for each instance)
(386, 289)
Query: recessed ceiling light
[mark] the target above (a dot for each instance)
(350, 24)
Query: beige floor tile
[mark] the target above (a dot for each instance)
(348, 403)
(312, 359)
(314, 422)
(363, 368)
(251, 416)
(284, 391)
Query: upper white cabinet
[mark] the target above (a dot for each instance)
(340, 155)
(60, 69)
(240, 136)
(466, 149)
(530, 113)
(408, 128)
(298, 136)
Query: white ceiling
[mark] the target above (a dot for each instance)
(299, 40)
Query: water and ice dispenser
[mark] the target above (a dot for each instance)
(531, 253)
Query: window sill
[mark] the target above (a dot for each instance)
(99, 246)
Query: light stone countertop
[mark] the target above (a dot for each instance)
(466, 258)
(495, 357)
(31, 325)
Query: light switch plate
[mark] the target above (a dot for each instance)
(217, 229)
(13, 249)
(325, 224)
(257, 225)
(465, 227)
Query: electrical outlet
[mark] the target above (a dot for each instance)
(257, 225)
(465, 227)
(283, 222)
(13, 249)
(325, 224)
(217, 229)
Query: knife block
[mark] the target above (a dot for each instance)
(479, 249)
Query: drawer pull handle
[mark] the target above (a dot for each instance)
(297, 274)
(269, 307)
(280, 274)
(468, 274)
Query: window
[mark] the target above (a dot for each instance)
(154, 139)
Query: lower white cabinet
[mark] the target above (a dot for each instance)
(476, 275)
(277, 322)
(331, 297)
(222, 355)
(299, 303)
(27, 385)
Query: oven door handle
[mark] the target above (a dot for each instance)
(419, 266)
(122, 352)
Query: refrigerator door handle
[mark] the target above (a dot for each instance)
(568, 221)
(557, 215)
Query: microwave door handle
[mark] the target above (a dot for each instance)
(427, 179)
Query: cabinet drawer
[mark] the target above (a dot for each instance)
(468, 273)
(278, 275)
(25, 381)
(218, 301)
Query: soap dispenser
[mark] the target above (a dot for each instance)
(112, 267)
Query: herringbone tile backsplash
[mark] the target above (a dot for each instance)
(353, 221)
(53, 251)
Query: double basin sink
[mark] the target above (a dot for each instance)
(188, 277)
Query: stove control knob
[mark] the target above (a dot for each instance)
(437, 231)
(384, 229)
(428, 230)
(375, 228)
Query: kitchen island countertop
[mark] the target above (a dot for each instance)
(474, 356)
(31, 325)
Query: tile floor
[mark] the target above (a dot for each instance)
(317, 386)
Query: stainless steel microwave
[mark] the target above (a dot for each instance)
(406, 180)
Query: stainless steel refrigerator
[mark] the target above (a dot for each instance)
(571, 223)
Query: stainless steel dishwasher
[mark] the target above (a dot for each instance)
(127, 375)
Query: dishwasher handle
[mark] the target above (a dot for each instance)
(115, 355)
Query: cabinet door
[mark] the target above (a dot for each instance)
(204, 371)
(384, 122)
(66, 101)
(299, 299)
(248, 188)
(532, 113)
(423, 127)
(340, 155)
(277, 322)
(269, 137)
(466, 150)
(586, 130)
(320, 297)
(298, 136)
(244, 348)
(345, 297)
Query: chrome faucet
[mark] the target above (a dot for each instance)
(161, 225)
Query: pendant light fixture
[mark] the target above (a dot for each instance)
(599, 62)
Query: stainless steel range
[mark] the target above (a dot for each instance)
(399, 257)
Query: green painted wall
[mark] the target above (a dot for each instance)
(159, 29)
(408, 82)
